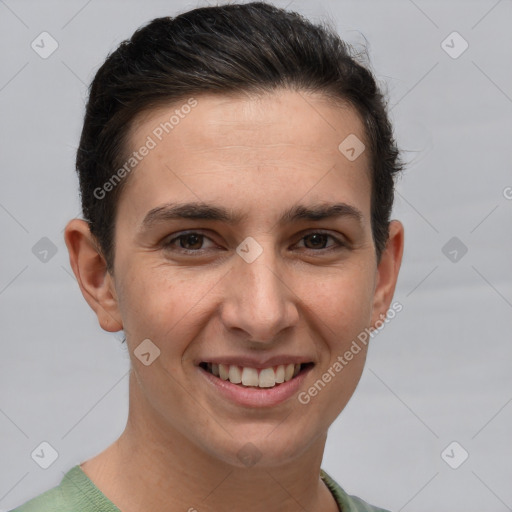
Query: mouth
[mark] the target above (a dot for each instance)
(248, 377)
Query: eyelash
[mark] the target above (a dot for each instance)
(168, 245)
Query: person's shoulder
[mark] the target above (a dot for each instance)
(362, 506)
(75, 492)
(50, 500)
(346, 502)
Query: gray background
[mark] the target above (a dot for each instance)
(438, 373)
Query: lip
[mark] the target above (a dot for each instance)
(252, 396)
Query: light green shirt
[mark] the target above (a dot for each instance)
(77, 493)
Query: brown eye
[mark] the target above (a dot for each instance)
(317, 240)
(191, 241)
(321, 243)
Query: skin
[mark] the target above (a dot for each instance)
(259, 156)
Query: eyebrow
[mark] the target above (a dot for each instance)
(204, 211)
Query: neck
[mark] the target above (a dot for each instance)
(153, 467)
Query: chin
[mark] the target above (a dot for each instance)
(261, 447)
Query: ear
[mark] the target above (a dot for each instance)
(387, 271)
(90, 269)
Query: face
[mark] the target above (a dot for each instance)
(273, 266)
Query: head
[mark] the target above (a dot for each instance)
(237, 170)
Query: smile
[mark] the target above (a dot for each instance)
(256, 377)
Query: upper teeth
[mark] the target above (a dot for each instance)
(264, 378)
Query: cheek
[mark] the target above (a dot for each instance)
(342, 307)
(161, 304)
(342, 300)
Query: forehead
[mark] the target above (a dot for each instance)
(266, 144)
(305, 120)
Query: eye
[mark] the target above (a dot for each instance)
(194, 242)
(188, 242)
(318, 240)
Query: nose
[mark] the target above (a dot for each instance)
(258, 300)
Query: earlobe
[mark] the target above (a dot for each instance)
(90, 269)
(387, 271)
